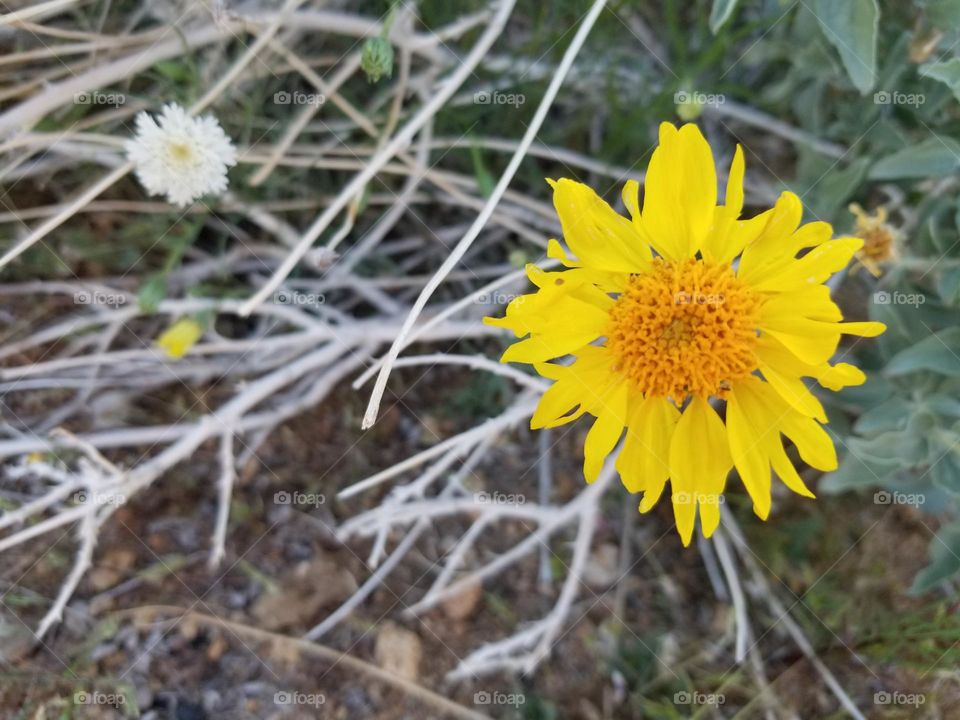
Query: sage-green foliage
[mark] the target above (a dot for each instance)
(905, 440)
(882, 82)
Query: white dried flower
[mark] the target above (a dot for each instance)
(181, 157)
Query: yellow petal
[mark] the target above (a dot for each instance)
(775, 355)
(177, 339)
(699, 462)
(766, 413)
(723, 242)
(631, 199)
(734, 235)
(863, 329)
(811, 234)
(555, 404)
(813, 341)
(555, 251)
(734, 199)
(598, 235)
(794, 391)
(770, 246)
(538, 348)
(746, 429)
(836, 377)
(557, 322)
(710, 512)
(580, 387)
(579, 283)
(814, 267)
(605, 432)
(814, 443)
(644, 462)
(787, 472)
(812, 302)
(680, 192)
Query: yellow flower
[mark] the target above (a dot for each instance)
(177, 339)
(682, 307)
(879, 238)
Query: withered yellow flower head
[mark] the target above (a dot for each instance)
(879, 238)
(677, 310)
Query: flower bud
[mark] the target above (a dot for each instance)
(376, 59)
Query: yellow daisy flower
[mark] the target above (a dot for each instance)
(677, 309)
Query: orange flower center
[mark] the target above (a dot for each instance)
(687, 328)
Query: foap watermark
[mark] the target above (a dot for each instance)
(95, 97)
(292, 697)
(95, 297)
(685, 498)
(698, 698)
(95, 497)
(498, 498)
(893, 97)
(698, 298)
(497, 297)
(882, 297)
(695, 97)
(299, 498)
(899, 698)
(298, 98)
(885, 497)
(295, 297)
(95, 697)
(495, 97)
(483, 697)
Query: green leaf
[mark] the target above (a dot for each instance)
(851, 27)
(934, 157)
(836, 186)
(720, 13)
(943, 14)
(944, 406)
(946, 468)
(944, 560)
(948, 286)
(152, 293)
(854, 473)
(178, 71)
(891, 449)
(946, 72)
(939, 353)
(485, 181)
(891, 414)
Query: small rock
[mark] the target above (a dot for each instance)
(303, 593)
(190, 711)
(113, 568)
(189, 628)
(464, 603)
(217, 648)
(398, 651)
(603, 568)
